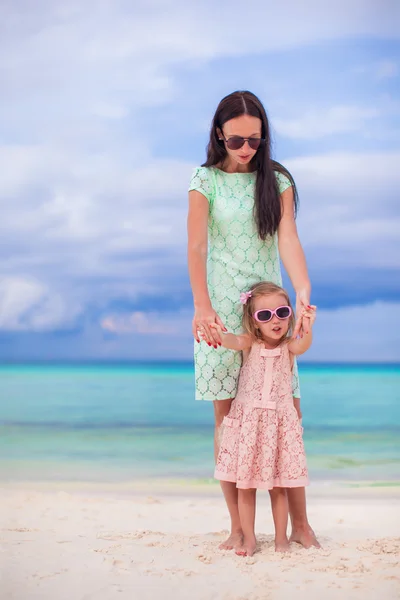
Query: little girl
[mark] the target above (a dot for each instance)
(261, 443)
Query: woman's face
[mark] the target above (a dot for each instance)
(246, 127)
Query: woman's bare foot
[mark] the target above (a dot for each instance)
(282, 545)
(247, 547)
(234, 540)
(305, 537)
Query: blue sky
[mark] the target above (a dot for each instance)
(106, 110)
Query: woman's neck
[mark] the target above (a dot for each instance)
(231, 166)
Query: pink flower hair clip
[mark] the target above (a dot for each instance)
(244, 296)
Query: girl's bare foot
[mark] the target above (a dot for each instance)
(234, 540)
(282, 545)
(305, 537)
(247, 547)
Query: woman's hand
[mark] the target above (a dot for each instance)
(302, 304)
(203, 318)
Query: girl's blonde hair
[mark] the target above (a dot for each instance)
(264, 288)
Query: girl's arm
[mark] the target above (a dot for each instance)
(301, 345)
(292, 255)
(232, 341)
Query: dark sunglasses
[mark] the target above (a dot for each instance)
(236, 142)
(265, 314)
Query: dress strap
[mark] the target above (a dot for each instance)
(271, 352)
(265, 400)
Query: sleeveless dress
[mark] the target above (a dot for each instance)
(237, 259)
(262, 438)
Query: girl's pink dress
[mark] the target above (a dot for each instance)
(262, 438)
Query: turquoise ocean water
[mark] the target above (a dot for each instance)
(134, 421)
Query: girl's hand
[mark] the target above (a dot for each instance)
(308, 318)
(218, 332)
(203, 318)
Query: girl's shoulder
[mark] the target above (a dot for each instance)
(256, 347)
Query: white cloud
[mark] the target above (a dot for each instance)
(28, 305)
(318, 123)
(365, 333)
(153, 323)
(108, 232)
(83, 200)
(92, 207)
(349, 208)
(122, 56)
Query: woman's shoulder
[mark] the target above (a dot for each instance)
(201, 181)
(202, 169)
(283, 181)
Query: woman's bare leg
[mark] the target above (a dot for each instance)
(280, 512)
(221, 409)
(247, 512)
(302, 532)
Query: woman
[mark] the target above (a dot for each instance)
(242, 208)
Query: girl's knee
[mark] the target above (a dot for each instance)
(277, 492)
(247, 495)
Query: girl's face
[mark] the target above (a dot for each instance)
(246, 127)
(276, 328)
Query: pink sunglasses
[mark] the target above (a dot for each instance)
(265, 314)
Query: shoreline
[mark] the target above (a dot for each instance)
(341, 489)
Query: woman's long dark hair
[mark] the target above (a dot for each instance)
(267, 204)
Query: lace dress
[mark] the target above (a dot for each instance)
(237, 259)
(262, 438)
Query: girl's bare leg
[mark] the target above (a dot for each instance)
(247, 512)
(221, 409)
(302, 532)
(280, 512)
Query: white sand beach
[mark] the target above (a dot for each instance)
(101, 542)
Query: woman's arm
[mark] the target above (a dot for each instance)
(197, 224)
(290, 249)
(292, 255)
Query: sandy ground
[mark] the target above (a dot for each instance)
(104, 542)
